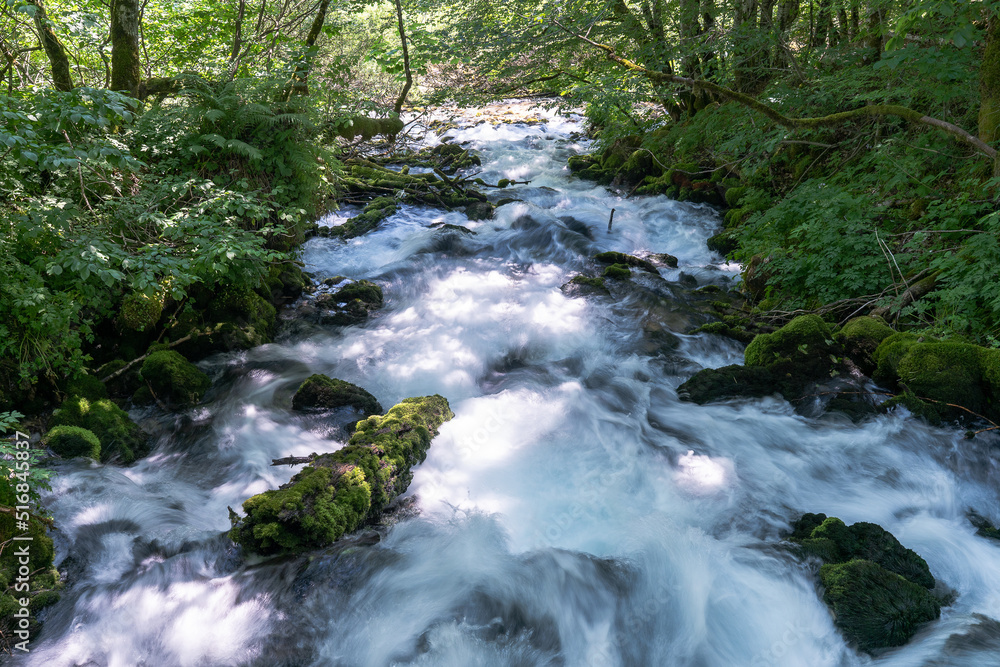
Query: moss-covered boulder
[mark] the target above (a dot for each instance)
(718, 384)
(873, 607)
(121, 439)
(581, 284)
(243, 318)
(351, 304)
(173, 379)
(835, 542)
(860, 337)
(628, 260)
(88, 386)
(804, 339)
(945, 372)
(140, 311)
(370, 218)
(617, 272)
(788, 361)
(337, 492)
(878, 590)
(888, 354)
(72, 441)
(320, 391)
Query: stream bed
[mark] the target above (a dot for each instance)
(574, 513)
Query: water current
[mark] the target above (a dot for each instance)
(573, 513)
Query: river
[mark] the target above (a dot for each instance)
(573, 513)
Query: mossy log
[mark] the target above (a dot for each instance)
(339, 491)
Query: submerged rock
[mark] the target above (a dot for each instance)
(878, 590)
(337, 492)
(173, 379)
(321, 391)
(351, 304)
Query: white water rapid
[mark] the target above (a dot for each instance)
(573, 514)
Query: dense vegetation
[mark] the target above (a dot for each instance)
(161, 162)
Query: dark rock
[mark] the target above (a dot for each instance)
(320, 391)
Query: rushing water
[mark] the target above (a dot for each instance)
(574, 513)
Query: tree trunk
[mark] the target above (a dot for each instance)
(876, 19)
(61, 78)
(299, 85)
(398, 108)
(125, 71)
(824, 22)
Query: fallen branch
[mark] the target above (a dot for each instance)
(293, 460)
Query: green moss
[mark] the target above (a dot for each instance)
(834, 542)
(88, 386)
(580, 162)
(364, 291)
(617, 272)
(804, 338)
(717, 384)
(860, 337)
(173, 379)
(72, 441)
(590, 282)
(338, 491)
(627, 260)
(371, 217)
(873, 607)
(320, 391)
(946, 372)
(724, 244)
(888, 354)
(733, 196)
(140, 311)
(121, 439)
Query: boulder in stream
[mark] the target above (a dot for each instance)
(878, 590)
(173, 379)
(321, 391)
(337, 492)
(119, 438)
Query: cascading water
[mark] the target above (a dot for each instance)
(574, 512)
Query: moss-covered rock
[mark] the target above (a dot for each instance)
(589, 283)
(835, 542)
(873, 607)
(479, 210)
(627, 260)
(878, 589)
(723, 243)
(72, 441)
(320, 391)
(350, 304)
(173, 379)
(121, 439)
(371, 217)
(860, 337)
(338, 491)
(140, 311)
(945, 372)
(804, 338)
(717, 384)
(888, 354)
(88, 386)
(617, 272)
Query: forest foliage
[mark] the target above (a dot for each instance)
(220, 143)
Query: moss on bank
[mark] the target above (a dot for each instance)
(120, 439)
(173, 379)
